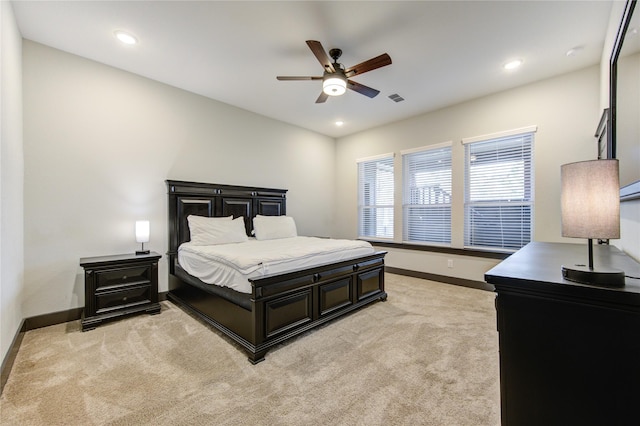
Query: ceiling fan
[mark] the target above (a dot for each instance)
(335, 80)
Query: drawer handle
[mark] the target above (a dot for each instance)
(124, 277)
(316, 278)
(355, 268)
(124, 299)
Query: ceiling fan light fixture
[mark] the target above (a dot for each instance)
(334, 85)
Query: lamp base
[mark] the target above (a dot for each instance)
(142, 252)
(586, 275)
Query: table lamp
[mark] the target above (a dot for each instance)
(142, 235)
(591, 209)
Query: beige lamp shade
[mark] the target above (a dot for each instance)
(591, 199)
(142, 231)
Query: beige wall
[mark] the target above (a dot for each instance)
(11, 171)
(100, 142)
(565, 110)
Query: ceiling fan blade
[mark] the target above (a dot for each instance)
(371, 64)
(296, 78)
(321, 54)
(362, 89)
(322, 98)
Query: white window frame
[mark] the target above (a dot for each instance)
(376, 197)
(499, 208)
(426, 206)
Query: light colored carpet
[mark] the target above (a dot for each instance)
(428, 355)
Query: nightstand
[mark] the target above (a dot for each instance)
(119, 285)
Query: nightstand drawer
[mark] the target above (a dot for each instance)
(119, 277)
(112, 300)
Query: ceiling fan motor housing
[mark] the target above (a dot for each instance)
(335, 54)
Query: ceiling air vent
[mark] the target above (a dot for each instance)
(396, 98)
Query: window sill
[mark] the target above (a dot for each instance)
(438, 249)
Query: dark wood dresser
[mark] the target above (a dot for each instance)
(569, 352)
(119, 285)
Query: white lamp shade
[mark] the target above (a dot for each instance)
(591, 199)
(335, 85)
(142, 231)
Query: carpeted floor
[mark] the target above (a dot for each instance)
(428, 355)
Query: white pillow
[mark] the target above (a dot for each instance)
(206, 231)
(274, 227)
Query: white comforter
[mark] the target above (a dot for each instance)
(232, 265)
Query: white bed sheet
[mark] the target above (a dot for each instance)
(232, 265)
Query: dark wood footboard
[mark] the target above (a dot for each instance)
(284, 306)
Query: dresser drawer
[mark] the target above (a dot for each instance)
(122, 277)
(120, 299)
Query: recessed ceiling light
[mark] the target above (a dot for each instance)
(125, 37)
(339, 123)
(512, 65)
(574, 51)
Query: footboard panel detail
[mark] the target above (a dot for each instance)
(287, 305)
(288, 312)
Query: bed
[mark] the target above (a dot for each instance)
(277, 304)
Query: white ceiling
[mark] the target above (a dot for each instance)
(443, 53)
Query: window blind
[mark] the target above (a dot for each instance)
(427, 195)
(375, 198)
(499, 192)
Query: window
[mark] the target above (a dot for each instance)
(375, 197)
(426, 202)
(499, 191)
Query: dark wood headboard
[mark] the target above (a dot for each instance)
(215, 200)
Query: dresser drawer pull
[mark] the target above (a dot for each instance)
(124, 277)
(124, 299)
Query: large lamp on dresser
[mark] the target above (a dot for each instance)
(591, 209)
